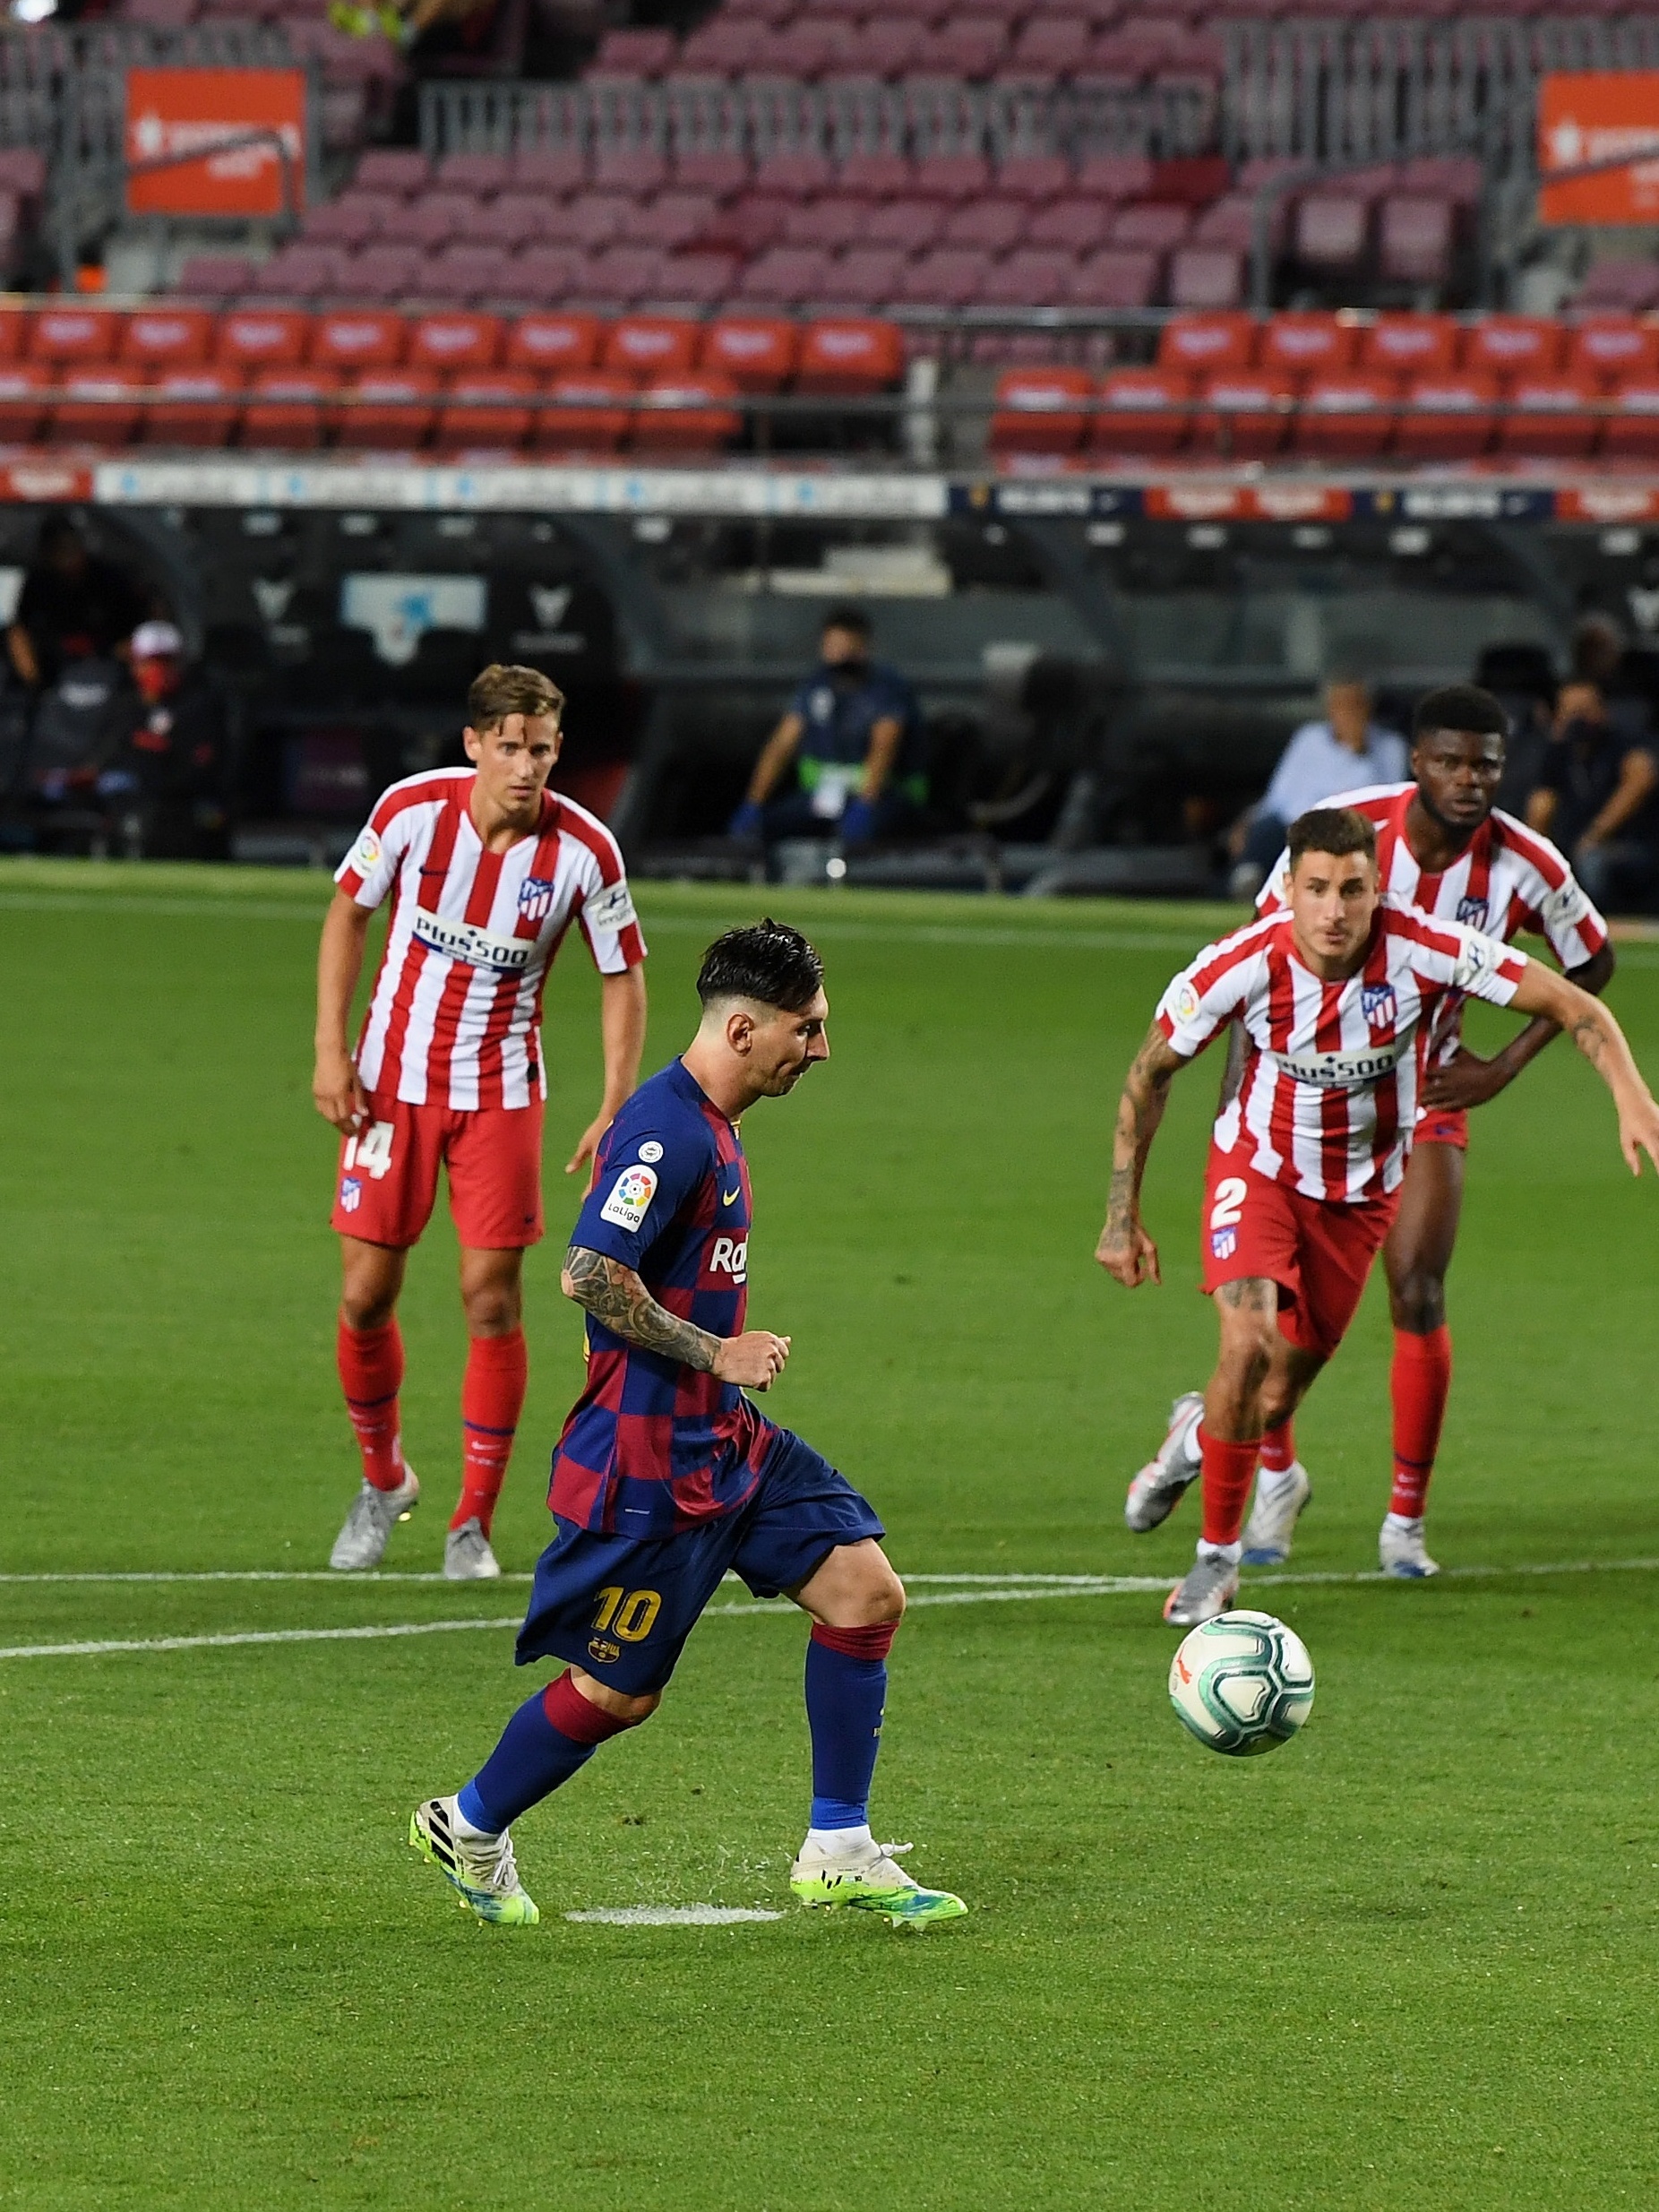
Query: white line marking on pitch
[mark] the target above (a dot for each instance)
(1079, 1585)
(672, 1915)
(371, 1580)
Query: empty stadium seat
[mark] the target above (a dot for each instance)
(254, 338)
(1513, 345)
(948, 276)
(1448, 418)
(1142, 411)
(1629, 433)
(393, 168)
(1157, 227)
(691, 413)
(553, 345)
(1206, 276)
(1331, 231)
(1345, 416)
(216, 276)
(100, 406)
(1551, 416)
(649, 347)
(993, 225)
(592, 412)
(73, 336)
(191, 407)
(23, 387)
(1248, 416)
(358, 341)
(1417, 240)
(1613, 349)
(478, 173)
(1410, 345)
(1116, 277)
(876, 175)
(286, 409)
(1207, 344)
(467, 421)
(1076, 224)
(757, 352)
(1041, 410)
(1032, 277)
(552, 171)
(394, 409)
(1034, 178)
(165, 338)
(13, 330)
(1307, 345)
(849, 359)
(453, 344)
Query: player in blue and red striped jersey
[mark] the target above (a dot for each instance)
(665, 1476)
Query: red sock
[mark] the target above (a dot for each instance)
(1228, 1471)
(492, 1399)
(1278, 1447)
(371, 1373)
(1421, 1381)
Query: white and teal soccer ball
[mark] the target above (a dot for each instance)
(1241, 1684)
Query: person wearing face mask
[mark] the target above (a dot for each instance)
(164, 770)
(852, 734)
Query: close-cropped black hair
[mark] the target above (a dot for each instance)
(1337, 831)
(852, 618)
(1460, 706)
(765, 960)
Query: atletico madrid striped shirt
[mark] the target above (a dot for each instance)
(1507, 880)
(454, 1016)
(1329, 1090)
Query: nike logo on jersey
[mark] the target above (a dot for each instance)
(730, 1198)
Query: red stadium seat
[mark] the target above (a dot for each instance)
(1307, 345)
(394, 410)
(1613, 349)
(1513, 345)
(1553, 416)
(757, 352)
(1630, 432)
(851, 358)
(552, 345)
(287, 408)
(468, 423)
(1038, 411)
(1251, 413)
(75, 335)
(1204, 345)
(687, 414)
(1345, 418)
(13, 330)
(261, 338)
(22, 402)
(648, 346)
(1143, 412)
(360, 341)
(193, 407)
(592, 415)
(1410, 345)
(100, 407)
(451, 344)
(1448, 418)
(165, 338)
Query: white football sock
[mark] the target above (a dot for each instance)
(839, 1842)
(1274, 1481)
(464, 1828)
(1228, 1554)
(1403, 1525)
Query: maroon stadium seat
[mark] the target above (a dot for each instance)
(352, 219)
(876, 175)
(478, 172)
(1158, 229)
(553, 171)
(694, 279)
(1331, 230)
(673, 219)
(623, 275)
(632, 54)
(592, 218)
(431, 220)
(544, 273)
(971, 46)
(1197, 345)
(1115, 278)
(1417, 240)
(1049, 47)
(718, 169)
(953, 177)
(216, 276)
(785, 276)
(1041, 410)
(514, 218)
(1078, 225)
(993, 225)
(1206, 276)
(632, 169)
(834, 221)
(393, 168)
(1117, 177)
(1031, 277)
(911, 224)
(949, 276)
(795, 175)
(385, 274)
(865, 277)
(1035, 177)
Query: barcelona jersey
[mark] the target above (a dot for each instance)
(653, 1447)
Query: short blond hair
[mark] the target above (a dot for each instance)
(503, 688)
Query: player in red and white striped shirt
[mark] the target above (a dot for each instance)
(1339, 995)
(487, 869)
(1443, 847)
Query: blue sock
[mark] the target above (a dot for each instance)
(844, 1700)
(528, 1764)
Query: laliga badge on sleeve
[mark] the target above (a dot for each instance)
(366, 852)
(1187, 1002)
(631, 1197)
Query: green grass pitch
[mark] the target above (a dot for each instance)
(1408, 1961)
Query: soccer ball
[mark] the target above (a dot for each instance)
(1241, 1684)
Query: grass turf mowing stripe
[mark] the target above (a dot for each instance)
(1100, 1585)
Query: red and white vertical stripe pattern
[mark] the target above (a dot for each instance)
(1329, 1091)
(453, 1018)
(1509, 880)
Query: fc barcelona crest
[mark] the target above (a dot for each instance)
(1380, 1007)
(536, 898)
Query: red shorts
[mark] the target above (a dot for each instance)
(1319, 1253)
(1451, 1128)
(388, 1174)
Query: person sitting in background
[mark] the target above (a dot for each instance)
(852, 733)
(1596, 797)
(74, 605)
(166, 762)
(1346, 751)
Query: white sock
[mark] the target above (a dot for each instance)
(1229, 1554)
(839, 1842)
(1402, 1525)
(466, 1830)
(1191, 1451)
(1274, 1481)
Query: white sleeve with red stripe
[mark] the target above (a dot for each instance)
(1373, 800)
(1558, 906)
(606, 904)
(1447, 953)
(370, 868)
(1204, 997)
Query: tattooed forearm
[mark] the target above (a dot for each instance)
(614, 1294)
(1140, 1109)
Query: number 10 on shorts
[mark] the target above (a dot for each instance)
(1225, 1215)
(631, 1615)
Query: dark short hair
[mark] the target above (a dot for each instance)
(1460, 706)
(1333, 830)
(852, 618)
(505, 688)
(764, 960)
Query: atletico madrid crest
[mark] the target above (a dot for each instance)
(536, 898)
(1380, 1007)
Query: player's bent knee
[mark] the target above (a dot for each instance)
(627, 1711)
(1418, 1304)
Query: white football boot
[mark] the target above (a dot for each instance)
(467, 1555)
(1273, 1516)
(1401, 1551)
(480, 1868)
(1160, 1485)
(1209, 1587)
(373, 1515)
(869, 1879)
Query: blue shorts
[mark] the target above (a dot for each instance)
(621, 1609)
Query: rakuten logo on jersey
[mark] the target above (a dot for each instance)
(730, 1256)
